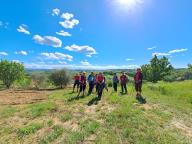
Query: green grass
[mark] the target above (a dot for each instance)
(29, 129)
(116, 119)
(7, 111)
(36, 110)
(66, 117)
(57, 131)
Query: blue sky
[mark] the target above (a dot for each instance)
(97, 34)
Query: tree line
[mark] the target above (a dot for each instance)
(13, 72)
(158, 69)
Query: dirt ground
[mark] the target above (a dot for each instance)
(17, 97)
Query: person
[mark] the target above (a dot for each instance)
(138, 78)
(90, 80)
(76, 82)
(100, 85)
(115, 82)
(82, 82)
(124, 80)
(95, 82)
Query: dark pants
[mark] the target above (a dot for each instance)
(124, 87)
(100, 88)
(138, 87)
(76, 84)
(96, 87)
(91, 87)
(82, 88)
(115, 87)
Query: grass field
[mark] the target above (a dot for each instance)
(58, 117)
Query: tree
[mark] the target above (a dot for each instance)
(190, 66)
(38, 80)
(157, 69)
(60, 78)
(10, 72)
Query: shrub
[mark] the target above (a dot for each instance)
(60, 78)
(109, 83)
(25, 82)
(187, 75)
(38, 80)
(10, 72)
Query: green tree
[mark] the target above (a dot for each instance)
(190, 66)
(165, 67)
(157, 69)
(60, 78)
(10, 72)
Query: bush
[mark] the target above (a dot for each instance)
(187, 75)
(109, 83)
(25, 82)
(38, 80)
(60, 78)
(10, 72)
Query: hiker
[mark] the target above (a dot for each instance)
(90, 80)
(100, 85)
(138, 78)
(115, 82)
(82, 83)
(123, 80)
(95, 82)
(76, 82)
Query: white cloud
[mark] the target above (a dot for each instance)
(160, 54)
(69, 24)
(57, 56)
(17, 61)
(56, 12)
(63, 33)
(177, 51)
(94, 67)
(85, 63)
(23, 29)
(47, 40)
(82, 49)
(89, 55)
(4, 24)
(128, 59)
(151, 48)
(24, 53)
(170, 52)
(67, 16)
(62, 62)
(3, 54)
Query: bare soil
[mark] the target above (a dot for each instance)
(184, 128)
(18, 97)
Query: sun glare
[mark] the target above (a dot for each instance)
(129, 4)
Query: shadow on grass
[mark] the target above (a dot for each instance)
(75, 98)
(93, 101)
(141, 100)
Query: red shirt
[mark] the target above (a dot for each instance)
(76, 78)
(83, 80)
(123, 79)
(138, 77)
(100, 78)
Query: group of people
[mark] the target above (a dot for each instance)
(98, 81)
